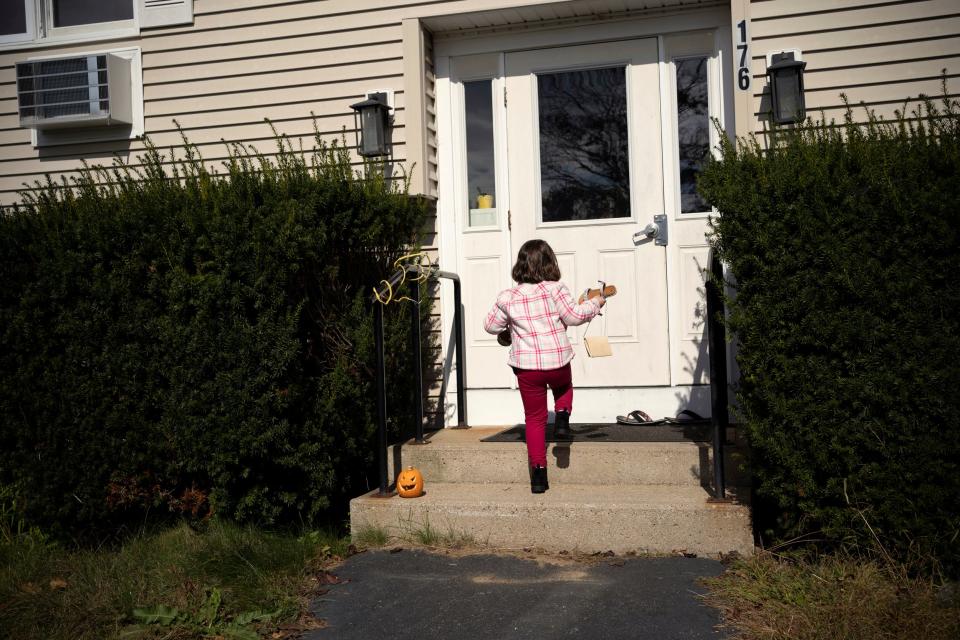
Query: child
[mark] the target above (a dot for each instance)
(538, 311)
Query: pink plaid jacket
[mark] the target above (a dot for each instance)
(538, 316)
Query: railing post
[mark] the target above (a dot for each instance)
(718, 373)
(417, 360)
(458, 347)
(381, 397)
(461, 354)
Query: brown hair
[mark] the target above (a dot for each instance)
(535, 263)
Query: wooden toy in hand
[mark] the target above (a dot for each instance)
(608, 290)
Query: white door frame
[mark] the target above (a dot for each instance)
(593, 404)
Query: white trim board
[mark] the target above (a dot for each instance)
(694, 19)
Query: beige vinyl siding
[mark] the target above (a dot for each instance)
(878, 53)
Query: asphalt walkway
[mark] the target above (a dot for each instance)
(431, 596)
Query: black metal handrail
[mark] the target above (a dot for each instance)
(379, 293)
(718, 373)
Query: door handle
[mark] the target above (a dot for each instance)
(656, 231)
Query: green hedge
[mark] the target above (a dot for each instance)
(843, 243)
(176, 340)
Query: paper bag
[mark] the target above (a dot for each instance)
(597, 346)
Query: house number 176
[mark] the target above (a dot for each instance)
(743, 57)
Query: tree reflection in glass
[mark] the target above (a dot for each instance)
(693, 129)
(584, 158)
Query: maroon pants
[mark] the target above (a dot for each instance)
(533, 391)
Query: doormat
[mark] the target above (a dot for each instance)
(616, 433)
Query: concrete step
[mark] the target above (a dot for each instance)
(454, 455)
(572, 517)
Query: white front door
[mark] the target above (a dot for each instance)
(582, 145)
(584, 160)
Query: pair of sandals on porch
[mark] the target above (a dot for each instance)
(643, 419)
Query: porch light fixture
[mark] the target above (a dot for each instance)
(371, 118)
(785, 77)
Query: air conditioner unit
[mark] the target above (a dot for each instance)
(78, 91)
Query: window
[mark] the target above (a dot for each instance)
(693, 129)
(72, 13)
(584, 145)
(36, 22)
(481, 164)
(17, 25)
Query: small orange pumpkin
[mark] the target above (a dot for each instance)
(410, 483)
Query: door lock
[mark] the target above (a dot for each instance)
(656, 230)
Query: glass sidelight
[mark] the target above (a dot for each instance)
(584, 144)
(481, 162)
(693, 129)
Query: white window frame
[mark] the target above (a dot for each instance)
(631, 147)
(712, 113)
(103, 29)
(484, 67)
(671, 50)
(461, 137)
(30, 14)
(41, 32)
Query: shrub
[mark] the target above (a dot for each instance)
(843, 243)
(174, 339)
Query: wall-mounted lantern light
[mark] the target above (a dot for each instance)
(372, 119)
(785, 77)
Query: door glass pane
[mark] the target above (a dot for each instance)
(584, 163)
(70, 13)
(693, 129)
(481, 184)
(14, 17)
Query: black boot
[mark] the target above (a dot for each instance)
(561, 425)
(538, 479)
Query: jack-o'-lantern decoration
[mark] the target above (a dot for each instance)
(410, 483)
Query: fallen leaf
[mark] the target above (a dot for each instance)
(327, 578)
(29, 587)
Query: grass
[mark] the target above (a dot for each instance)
(371, 537)
(241, 583)
(227, 580)
(831, 597)
(422, 534)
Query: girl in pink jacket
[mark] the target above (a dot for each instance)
(538, 311)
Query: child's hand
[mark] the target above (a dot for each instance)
(601, 300)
